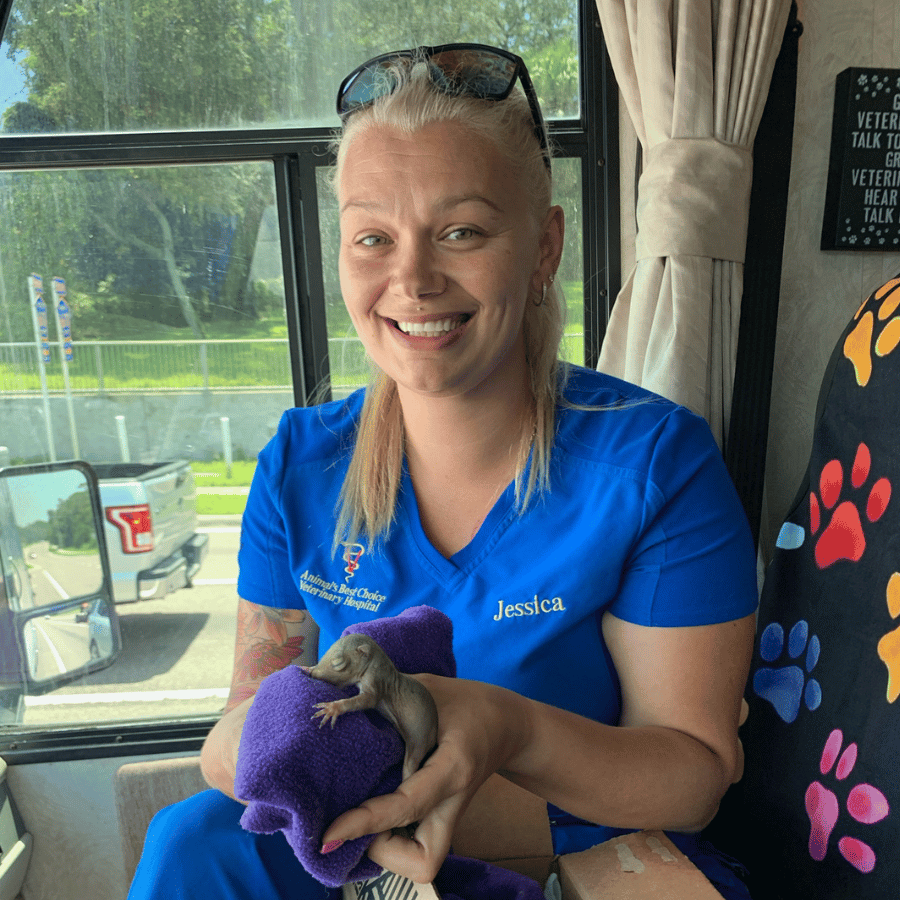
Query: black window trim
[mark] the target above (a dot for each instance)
(295, 155)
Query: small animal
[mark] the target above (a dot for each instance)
(403, 701)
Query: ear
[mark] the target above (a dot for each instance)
(550, 247)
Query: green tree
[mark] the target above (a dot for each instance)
(119, 65)
(72, 523)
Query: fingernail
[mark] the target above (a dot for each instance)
(331, 846)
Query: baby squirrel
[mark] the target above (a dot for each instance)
(403, 701)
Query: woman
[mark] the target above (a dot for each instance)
(583, 535)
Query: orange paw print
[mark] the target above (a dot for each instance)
(889, 645)
(858, 346)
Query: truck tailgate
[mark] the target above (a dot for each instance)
(169, 490)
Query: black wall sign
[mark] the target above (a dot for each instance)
(862, 201)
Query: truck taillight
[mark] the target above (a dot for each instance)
(135, 526)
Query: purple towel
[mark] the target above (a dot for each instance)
(298, 778)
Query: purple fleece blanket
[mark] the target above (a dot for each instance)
(298, 778)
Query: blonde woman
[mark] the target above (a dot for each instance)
(583, 535)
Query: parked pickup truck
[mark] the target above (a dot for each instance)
(151, 527)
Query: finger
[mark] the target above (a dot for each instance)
(413, 800)
(420, 855)
(375, 815)
(406, 856)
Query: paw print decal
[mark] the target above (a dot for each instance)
(788, 686)
(866, 804)
(889, 645)
(843, 536)
(859, 347)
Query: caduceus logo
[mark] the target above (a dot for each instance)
(352, 553)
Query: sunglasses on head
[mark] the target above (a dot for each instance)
(472, 70)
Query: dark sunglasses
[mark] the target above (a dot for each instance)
(473, 70)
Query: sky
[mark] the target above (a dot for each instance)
(11, 81)
(33, 495)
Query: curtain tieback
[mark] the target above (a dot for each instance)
(694, 200)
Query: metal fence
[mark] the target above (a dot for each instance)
(169, 366)
(100, 367)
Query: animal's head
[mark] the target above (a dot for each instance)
(345, 661)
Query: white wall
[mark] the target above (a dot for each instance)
(820, 290)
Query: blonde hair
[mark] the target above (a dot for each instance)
(367, 502)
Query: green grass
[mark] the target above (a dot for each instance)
(213, 474)
(220, 504)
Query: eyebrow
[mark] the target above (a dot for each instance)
(451, 202)
(444, 206)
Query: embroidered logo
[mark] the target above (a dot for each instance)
(352, 553)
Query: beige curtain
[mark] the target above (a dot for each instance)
(694, 75)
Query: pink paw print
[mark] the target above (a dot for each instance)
(843, 537)
(865, 803)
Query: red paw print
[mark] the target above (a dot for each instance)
(843, 537)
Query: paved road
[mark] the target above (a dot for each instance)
(176, 653)
(56, 575)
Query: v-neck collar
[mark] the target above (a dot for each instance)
(465, 560)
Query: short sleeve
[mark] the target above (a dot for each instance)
(264, 572)
(693, 562)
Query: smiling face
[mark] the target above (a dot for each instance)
(440, 251)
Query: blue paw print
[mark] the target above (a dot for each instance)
(787, 686)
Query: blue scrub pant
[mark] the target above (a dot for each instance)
(197, 850)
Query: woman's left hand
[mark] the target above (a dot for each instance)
(480, 727)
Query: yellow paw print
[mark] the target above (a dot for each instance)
(858, 346)
(889, 645)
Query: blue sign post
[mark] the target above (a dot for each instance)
(40, 307)
(42, 345)
(64, 333)
(65, 317)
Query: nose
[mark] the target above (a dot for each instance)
(417, 274)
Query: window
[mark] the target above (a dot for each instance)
(163, 169)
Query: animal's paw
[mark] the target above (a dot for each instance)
(327, 712)
(786, 687)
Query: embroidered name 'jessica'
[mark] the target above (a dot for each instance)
(531, 608)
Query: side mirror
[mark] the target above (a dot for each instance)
(57, 616)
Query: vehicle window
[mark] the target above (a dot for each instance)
(114, 65)
(177, 364)
(168, 287)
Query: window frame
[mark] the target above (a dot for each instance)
(296, 154)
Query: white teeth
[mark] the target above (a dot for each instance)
(424, 328)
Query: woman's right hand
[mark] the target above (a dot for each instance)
(479, 727)
(218, 756)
